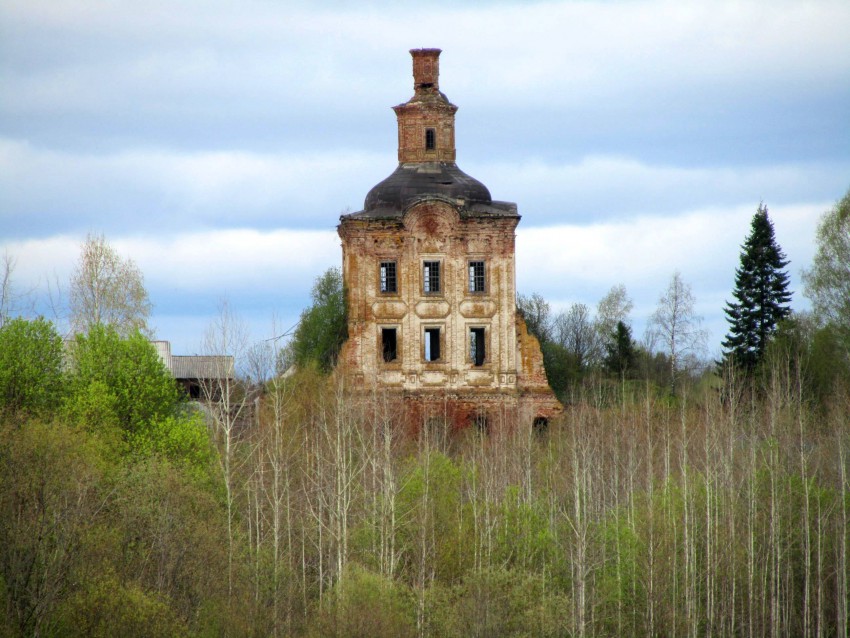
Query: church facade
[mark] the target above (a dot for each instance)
(429, 272)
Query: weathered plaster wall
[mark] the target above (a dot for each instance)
(434, 231)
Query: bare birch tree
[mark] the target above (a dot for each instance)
(677, 326)
(108, 290)
(575, 331)
(13, 301)
(226, 401)
(6, 294)
(612, 308)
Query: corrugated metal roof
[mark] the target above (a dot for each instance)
(202, 366)
(219, 366)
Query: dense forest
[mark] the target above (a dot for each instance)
(668, 499)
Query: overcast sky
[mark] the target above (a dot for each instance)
(216, 143)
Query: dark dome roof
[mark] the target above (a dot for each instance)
(411, 181)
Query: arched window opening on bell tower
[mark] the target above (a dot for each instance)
(430, 139)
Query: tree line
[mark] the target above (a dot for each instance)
(284, 505)
(581, 349)
(313, 512)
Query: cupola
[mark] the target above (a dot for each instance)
(426, 151)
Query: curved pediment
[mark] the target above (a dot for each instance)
(431, 218)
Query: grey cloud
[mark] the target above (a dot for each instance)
(44, 191)
(261, 74)
(150, 191)
(148, 120)
(602, 188)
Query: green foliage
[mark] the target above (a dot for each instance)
(501, 602)
(51, 487)
(634, 516)
(828, 362)
(30, 367)
(524, 539)
(619, 584)
(182, 439)
(573, 344)
(119, 382)
(106, 607)
(828, 280)
(365, 605)
(106, 545)
(172, 535)
(94, 406)
(563, 369)
(814, 354)
(429, 503)
(323, 326)
(621, 353)
(120, 390)
(761, 295)
(653, 367)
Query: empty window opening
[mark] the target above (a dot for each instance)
(431, 276)
(432, 344)
(388, 277)
(430, 139)
(540, 425)
(476, 276)
(389, 344)
(476, 346)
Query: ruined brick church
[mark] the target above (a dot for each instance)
(430, 275)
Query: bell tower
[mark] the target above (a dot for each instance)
(429, 270)
(426, 122)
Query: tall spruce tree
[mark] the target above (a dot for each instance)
(762, 298)
(620, 357)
